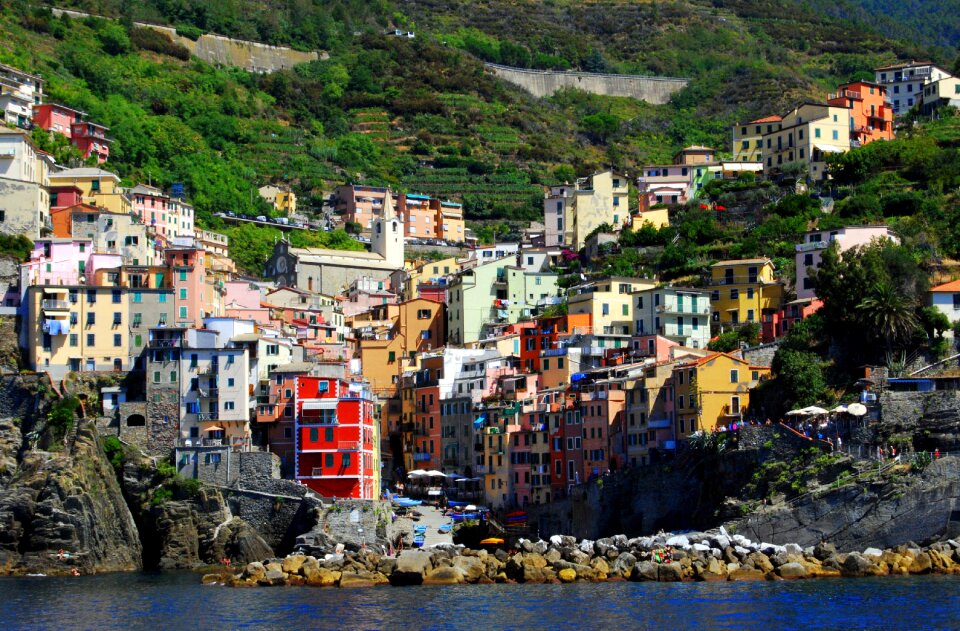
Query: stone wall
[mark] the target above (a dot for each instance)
(216, 49)
(761, 355)
(541, 83)
(930, 419)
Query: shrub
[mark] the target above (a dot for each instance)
(114, 39)
(158, 42)
(189, 31)
(161, 496)
(113, 448)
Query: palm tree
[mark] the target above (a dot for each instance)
(893, 315)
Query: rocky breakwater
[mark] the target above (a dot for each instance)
(712, 556)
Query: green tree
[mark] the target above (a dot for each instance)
(800, 376)
(893, 317)
(934, 322)
(600, 127)
(114, 39)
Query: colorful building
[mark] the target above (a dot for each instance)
(810, 252)
(905, 82)
(713, 391)
(24, 184)
(336, 436)
(870, 116)
(19, 92)
(283, 200)
(748, 138)
(678, 314)
(98, 188)
(741, 291)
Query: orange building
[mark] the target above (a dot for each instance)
(418, 326)
(871, 117)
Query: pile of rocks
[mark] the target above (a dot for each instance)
(715, 556)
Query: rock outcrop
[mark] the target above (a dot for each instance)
(69, 501)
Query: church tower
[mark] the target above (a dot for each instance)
(386, 237)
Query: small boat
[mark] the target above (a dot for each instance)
(406, 502)
(492, 541)
(445, 528)
(418, 541)
(464, 516)
(454, 504)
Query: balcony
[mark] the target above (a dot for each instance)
(814, 245)
(686, 309)
(209, 369)
(738, 280)
(165, 343)
(55, 305)
(481, 469)
(209, 393)
(348, 445)
(421, 456)
(207, 416)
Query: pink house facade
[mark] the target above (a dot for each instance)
(189, 276)
(810, 252)
(170, 218)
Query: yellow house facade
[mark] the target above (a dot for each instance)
(748, 138)
(713, 391)
(98, 187)
(599, 199)
(609, 302)
(422, 273)
(657, 217)
(742, 290)
(805, 136)
(79, 328)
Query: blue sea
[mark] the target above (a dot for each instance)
(178, 601)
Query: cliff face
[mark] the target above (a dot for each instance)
(70, 501)
(919, 509)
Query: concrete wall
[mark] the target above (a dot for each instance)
(761, 355)
(216, 49)
(540, 83)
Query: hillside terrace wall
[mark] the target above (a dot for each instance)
(541, 83)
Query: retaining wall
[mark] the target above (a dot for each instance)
(541, 83)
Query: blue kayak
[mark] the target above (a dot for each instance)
(406, 502)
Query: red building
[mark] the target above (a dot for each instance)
(776, 325)
(65, 196)
(335, 438)
(91, 139)
(58, 118)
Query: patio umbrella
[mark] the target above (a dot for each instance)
(416, 472)
(215, 428)
(796, 413)
(839, 408)
(857, 409)
(469, 507)
(433, 473)
(814, 410)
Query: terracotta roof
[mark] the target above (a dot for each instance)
(768, 119)
(952, 286)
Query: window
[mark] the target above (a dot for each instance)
(956, 302)
(328, 458)
(734, 294)
(163, 298)
(156, 376)
(836, 135)
(74, 341)
(345, 460)
(91, 296)
(606, 309)
(183, 275)
(734, 405)
(680, 402)
(91, 318)
(117, 340)
(424, 314)
(750, 293)
(183, 313)
(183, 293)
(117, 318)
(115, 296)
(91, 339)
(734, 376)
(391, 357)
(229, 405)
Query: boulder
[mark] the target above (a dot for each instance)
(624, 565)
(792, 548)
(274, 566)
(273, 577)
(645, 571)
(567, 575)
(856, 565)
(386, 566)
(254, 571)
(670, 573)
(472, 568)
(873, 552)
(444, 576)
(922, 564)
(601, 567)
(292, 564)
(678, 541)
(759, 561)
(534, 560)
(747, 574)
(712, 571)
(411, 568)
(823, 550)
(320, 576)
(361, 579)
(792, 570)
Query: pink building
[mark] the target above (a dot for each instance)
(170, 218)
(65, 197)
(809, 253)
(189, 278)
(655, 346)
(91, 139)
(366, 293)
(241, 293)
(776, 325)
(418, 216)
(57, 262)
(58, 118)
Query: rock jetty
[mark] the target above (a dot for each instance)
(713, 556)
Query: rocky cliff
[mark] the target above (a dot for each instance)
(63, 500)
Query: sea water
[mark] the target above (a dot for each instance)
(163, 601)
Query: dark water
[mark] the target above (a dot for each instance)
(163, 602)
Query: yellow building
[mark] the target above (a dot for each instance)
(98, 188)
(741, 291)
(75, 328)
(599, 199)
(423, 272)
(610, 303)
(805, 136)
(282, 200)
(657, 217)
(748, 138)
(713, 391)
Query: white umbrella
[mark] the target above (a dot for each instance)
(839, 408)
(417, 472)
(434, 473)
(469, 507)
(814, 410)
(857, 409)
(796, 413)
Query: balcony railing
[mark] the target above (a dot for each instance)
(421, 456)
(813, 245)
(348, 445)
(55, 305)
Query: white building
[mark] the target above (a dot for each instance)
(905, 82)
(810, 252)
(24, 197)
(677, 313)
(946, 299)
(19, 92)
(942, 93)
